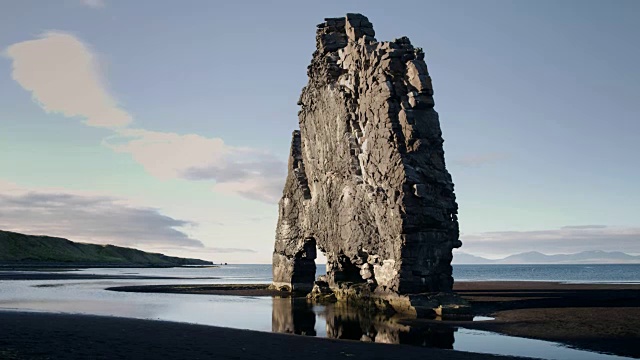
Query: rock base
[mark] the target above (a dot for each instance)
(443, 305)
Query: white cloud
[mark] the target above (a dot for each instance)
(8, 187)
(583, 227)
(96, 4)
(97, 218)
(208, 252)
(168, 155)
(265, 189)
(247, 172)
(62, 75)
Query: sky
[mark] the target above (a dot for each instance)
(165, 125)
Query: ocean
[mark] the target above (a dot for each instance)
(605, 273)
(261, 273)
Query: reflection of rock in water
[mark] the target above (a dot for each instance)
(293, 316)
(296, 316)
(431, 336)
(345, 322)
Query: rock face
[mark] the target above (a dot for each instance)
(367, 182)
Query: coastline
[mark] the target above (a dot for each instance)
(200, 289)
(596, 317)
(61, 266)
(602, 317)
(61, 336)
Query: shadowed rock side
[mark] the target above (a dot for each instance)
(367, 182)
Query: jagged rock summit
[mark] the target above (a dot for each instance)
(367, 182)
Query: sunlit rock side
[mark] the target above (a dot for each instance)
(367, 182)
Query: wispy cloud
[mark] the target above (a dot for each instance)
(481, 159)
(63, 77)
(168, 155)
(209, 252)
(95, 218)
(69, 82)
(91, 219)
(568, 239)
(95, 4)
(583, 227)
(250, 173)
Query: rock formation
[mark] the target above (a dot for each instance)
(367, 182)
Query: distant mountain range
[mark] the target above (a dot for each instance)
(33, 250)
(534, 257)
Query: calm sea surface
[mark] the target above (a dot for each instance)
(609, 273)
(295, 316)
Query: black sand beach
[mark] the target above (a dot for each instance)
(199, 289)
(54, 336)
(597, 317)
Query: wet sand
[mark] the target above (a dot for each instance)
(598, 317)
(38, 336)
(199, 289)
(64, 275)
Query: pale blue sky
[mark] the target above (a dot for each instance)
(538, 105)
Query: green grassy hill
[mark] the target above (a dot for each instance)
(24, 249)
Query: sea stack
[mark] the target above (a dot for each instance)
(367, 182)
